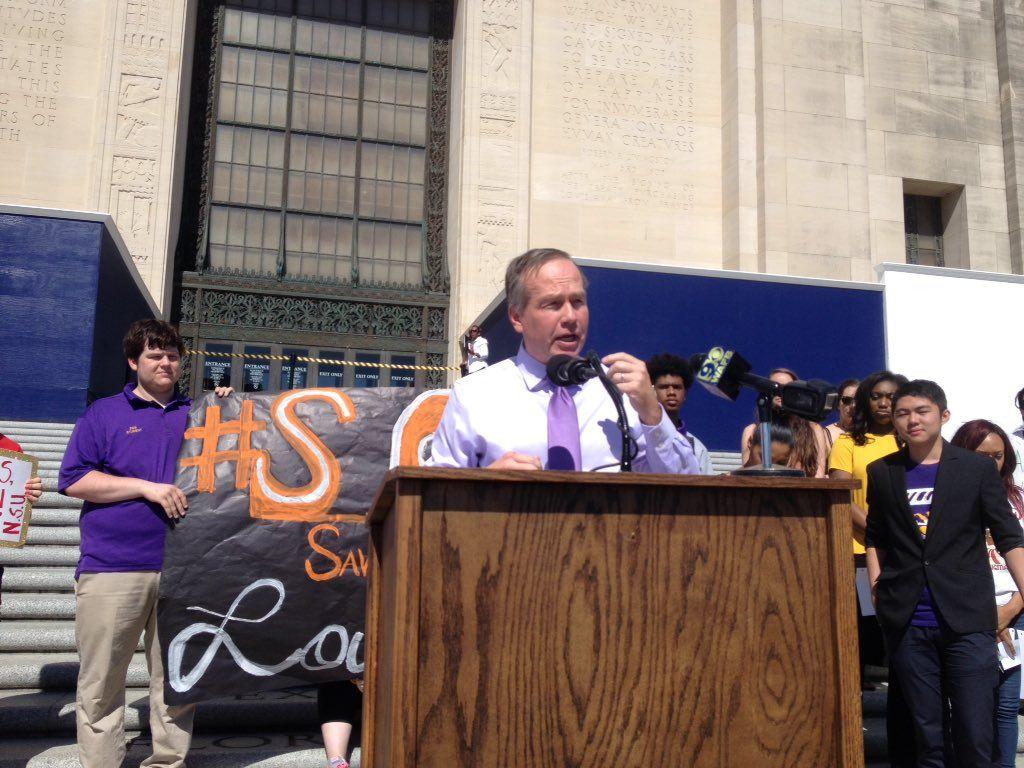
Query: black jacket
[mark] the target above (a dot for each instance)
(952, 559)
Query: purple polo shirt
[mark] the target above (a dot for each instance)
(125, 436)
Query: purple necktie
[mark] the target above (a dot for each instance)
(563, 431)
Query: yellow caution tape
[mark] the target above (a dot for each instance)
(299, 359)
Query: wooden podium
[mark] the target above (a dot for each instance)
(558, 619)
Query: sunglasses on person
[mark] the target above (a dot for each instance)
(847, 400)
(1020, 403)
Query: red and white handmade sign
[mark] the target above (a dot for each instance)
(15, 508)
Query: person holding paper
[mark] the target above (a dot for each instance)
(33, 489)
(990, 440)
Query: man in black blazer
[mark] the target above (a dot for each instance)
(929, 506)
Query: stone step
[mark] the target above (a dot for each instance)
(28, 711)
(24, 636)
(50, 454)
(56, 671)
(38, 605)
(298, 749)
(55, 516)
(876, 745)
(873, 702)
(37, 579)
(38, 436)
(37, 446)
(65, 535)
(53, 500)
(18, 429)
(40, 554)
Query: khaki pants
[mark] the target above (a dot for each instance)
(113, 610)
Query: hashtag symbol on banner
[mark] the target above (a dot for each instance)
(210, 455)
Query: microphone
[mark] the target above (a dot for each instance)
(567, 371)
(724, 372)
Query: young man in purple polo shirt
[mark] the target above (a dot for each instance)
(121, 461)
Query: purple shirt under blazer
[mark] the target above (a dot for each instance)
(125, 436)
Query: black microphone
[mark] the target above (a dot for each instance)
(568, 371)
(724, 372)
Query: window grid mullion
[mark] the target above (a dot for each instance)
(286, 160)
(354, 269)
(358, 215)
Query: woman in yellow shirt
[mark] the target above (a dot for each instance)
(871, 437)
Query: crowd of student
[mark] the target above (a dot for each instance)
(937, 534)
(946, 606)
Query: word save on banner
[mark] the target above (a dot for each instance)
(15, 508)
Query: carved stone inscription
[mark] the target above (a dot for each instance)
(627, 93)
(626, 157)
(32, 67)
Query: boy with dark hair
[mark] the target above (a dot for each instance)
(121, 461)
(929, 505)
(672, 378)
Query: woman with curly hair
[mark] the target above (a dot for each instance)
(871, 436)
(985, 437)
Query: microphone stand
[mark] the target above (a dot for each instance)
(626, 462)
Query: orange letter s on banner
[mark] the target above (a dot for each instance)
(270, 499)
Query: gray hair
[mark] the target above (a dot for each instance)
(527, 264)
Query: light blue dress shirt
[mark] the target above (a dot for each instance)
(504, 408)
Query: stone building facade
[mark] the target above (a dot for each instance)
(804, 137)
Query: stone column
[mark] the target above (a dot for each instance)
(489, 152)
(742, 137)
(1009, 28)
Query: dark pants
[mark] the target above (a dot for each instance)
(899, 727)
(340, 702)
(935, 663)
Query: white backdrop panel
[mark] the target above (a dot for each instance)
(962, 330)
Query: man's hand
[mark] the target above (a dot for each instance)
(513, 460)
(630, 376)
(224, 391)
(34, 489)
(170, 497)
(1007, 613)
(1004, 637)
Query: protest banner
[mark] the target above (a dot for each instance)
(16, 469)
(264, 581)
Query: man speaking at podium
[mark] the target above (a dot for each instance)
(511, 415)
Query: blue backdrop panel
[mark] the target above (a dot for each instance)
(118, 305)
(64, 290)
(819, 331)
